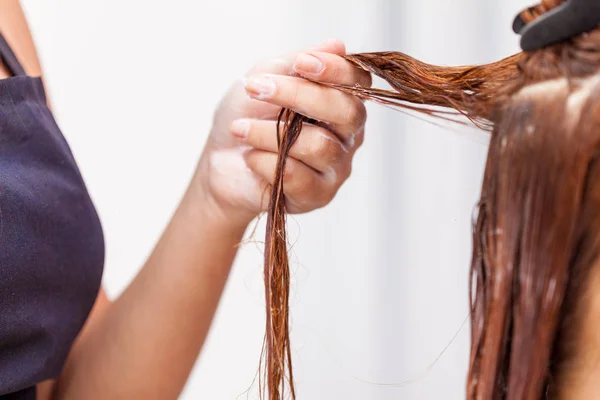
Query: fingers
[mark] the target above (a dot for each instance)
(317, 165)
(316, 146)
(285, 65)
(305, 189)
(320, 160)
(345, 114)
(322, 63)
(330, 68)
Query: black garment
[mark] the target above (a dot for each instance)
(51, 241)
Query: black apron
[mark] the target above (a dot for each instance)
(51, 242)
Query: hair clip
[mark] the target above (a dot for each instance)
(570, 19)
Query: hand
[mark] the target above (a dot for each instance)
(238, 164)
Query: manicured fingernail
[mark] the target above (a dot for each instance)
(260, 87)
(240, 128)
(308, 64)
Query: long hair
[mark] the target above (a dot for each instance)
(537, 232)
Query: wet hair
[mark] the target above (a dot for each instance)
(537, 232)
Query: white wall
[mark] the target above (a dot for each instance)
(134, 84)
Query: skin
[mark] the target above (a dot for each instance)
(144, 343)
(579, 378)
(170, 311)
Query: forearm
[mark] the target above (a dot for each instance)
(146, 343)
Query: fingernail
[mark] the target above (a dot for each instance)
(260, 87)
(240, 128)
(309, 64)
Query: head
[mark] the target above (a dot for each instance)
(537, 236)
(535, 317)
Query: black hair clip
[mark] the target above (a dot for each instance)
(570, 19)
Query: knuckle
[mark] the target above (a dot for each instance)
(327, 148)
(359, 138)
(334, 152)
(299, 188)
(331, 187)
(328, 187)
(356, 113)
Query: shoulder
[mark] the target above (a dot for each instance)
(15, 30)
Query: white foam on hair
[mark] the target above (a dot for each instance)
(583, 89)
(544, 88)
(579, 97)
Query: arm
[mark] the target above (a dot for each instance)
(161, 319)
(193, 245)
(144, 344)
(163, 306)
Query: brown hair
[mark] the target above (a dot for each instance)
(537, 232)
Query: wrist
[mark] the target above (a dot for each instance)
(212, 212)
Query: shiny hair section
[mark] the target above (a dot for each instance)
(537, 232)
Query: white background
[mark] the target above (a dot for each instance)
(380, 275)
